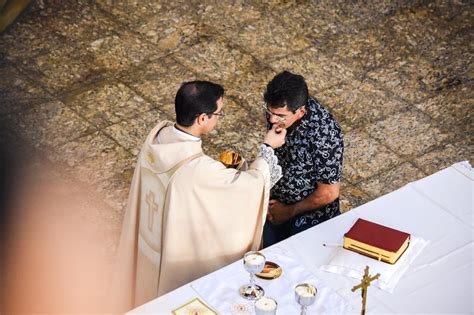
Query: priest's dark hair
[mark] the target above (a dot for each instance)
(194, 98)
(286, 89)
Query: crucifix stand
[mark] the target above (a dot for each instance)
(366, 280)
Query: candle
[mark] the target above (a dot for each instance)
(254, 262)
(265, 306)
(305, 294)
(305, 291)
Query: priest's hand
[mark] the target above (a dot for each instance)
(279, 212)
(275, 137)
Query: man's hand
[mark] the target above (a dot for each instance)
(275, 137)
(279, 212)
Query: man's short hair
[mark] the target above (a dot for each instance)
(286, 89)
(194, 98)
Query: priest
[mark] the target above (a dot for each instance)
(187, 214)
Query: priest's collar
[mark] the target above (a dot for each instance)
(185, 134)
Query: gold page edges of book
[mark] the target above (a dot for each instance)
(375, 252)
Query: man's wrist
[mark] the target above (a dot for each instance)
(294, 210)
(299, 208)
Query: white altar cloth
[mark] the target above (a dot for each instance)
(437, 208)
(224, 297)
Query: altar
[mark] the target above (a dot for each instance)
(439, 279)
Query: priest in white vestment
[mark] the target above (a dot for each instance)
(187, 214)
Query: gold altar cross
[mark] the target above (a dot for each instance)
(366, 280)
(152, 208)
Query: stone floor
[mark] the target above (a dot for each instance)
(85, 80)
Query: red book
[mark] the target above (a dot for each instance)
(376, 241)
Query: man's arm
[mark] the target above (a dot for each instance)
(323, 195)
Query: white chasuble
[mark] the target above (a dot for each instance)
(187, 215)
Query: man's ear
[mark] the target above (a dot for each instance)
(201, 119)
(302, 111)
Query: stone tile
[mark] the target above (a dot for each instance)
(271, 5)
(454, 60)
(362, 50)
(152, 117)
(93, 158)
(351, 197)
(233, 115)
(248, 88)
(458, 14)
(210, 148)
(51, 124)
(59, 8)
(267, 38)
(235, 130)
(245, 141)
(37, 31)
(85, 26)
(452, 109)
(461, 23)
(120, 51)
(61, 69)
(221, 16)
(354, 33)
(29, 36)
(409, 80)
(390, 180)
(320, 71)
(171, 30)
(448, 74)
(418, 28)
(17, 92)
(327, 14)
(115, 191)
(216, 59)
(131, 133)
(365, 157)
(394, 38)
(445, 156)
(242, 131)
(319, 21)
(410, 133)
(159, 81)
(360, 103)
(345, 125)
(359, 12)
(108, 103)
(134, 12)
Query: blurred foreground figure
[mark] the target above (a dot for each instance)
(53, 257)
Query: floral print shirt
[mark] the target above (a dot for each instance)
(312, 153)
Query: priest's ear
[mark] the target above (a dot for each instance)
(202, 119)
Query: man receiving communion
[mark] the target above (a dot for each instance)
(311, 159)
(187, 214)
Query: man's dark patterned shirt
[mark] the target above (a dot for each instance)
(312, 153)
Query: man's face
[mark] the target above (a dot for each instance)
(283, 117)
